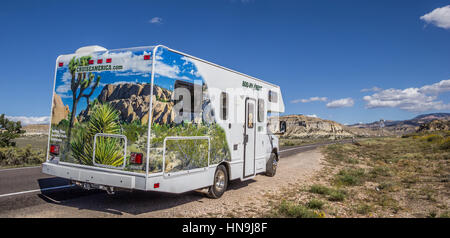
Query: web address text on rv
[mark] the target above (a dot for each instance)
(96, 68)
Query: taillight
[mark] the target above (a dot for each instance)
(54, 149)
(61, 64)
(108, 60)
(91, 62)
(136, 158)
(146, 57)
(156, 185)
(99, 61)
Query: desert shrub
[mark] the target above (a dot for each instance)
(315, 204)
(445, 214)
(319, 189)
(9, 130)
(350, 177)
(291, 209)
(445, 145)
(432, 138)
(187, 154)
(12, 156)
(108, 150)
(363, 209)
(133, 131)
(336, 195)
(380, 171)
(333, 194)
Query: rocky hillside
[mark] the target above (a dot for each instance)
(132, 101)
(300, 126)
(435, 125)
(405, 126)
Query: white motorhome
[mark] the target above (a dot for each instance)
(153, 118)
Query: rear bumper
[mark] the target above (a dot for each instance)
(90, 176)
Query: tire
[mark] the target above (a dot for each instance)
(220, 183)
(271, 165)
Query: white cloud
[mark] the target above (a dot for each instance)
(129, 61)
(312, 115)
(373, 89)
(311, 99)
(344, 102)
(411, 99)
(437, 88)
(156, 20)
(66, 79)
(439, 17)
(30, 120)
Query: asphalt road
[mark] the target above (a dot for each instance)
(24, 187)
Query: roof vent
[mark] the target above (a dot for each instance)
(90, 49)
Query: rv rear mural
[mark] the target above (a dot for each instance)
(101, 109)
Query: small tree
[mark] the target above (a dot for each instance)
(9, 130)
(80, 82)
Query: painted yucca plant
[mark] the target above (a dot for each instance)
(108, 151)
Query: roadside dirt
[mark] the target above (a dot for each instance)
(243, 199)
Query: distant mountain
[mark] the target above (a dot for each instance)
(403, 126)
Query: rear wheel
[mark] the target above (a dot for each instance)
(220, 183)
(271, 166)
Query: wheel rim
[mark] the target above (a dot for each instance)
(220, 180)
(274, 164)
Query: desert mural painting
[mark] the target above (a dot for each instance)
(102, 109)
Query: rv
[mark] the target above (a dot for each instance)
(156, 119)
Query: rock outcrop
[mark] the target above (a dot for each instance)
(132, 100)
(435, 125)
(59, 110)
(300, 126)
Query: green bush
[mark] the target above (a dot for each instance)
(291, 209)
(363, 209)
(108, 150)
(319, 189)
(445, 145)
(133, 131)
(350, 177)
(315, 204)
(12, 156)
(432, 138)
(336, 195)
(333, 194)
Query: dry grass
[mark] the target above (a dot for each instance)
(383, 177)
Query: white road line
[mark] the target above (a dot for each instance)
(36, 190)
(32, 167)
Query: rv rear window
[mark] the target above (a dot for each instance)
(224, 106)
(273, 96)
(260, 110)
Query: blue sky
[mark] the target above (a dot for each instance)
(332, 52)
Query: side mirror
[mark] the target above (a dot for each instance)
(282, 127)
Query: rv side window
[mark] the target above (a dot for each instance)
(224, 106)
(260, 110)
(189, 95)
(250, 117)
(273, 96)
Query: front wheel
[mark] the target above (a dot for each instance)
(220, 182)
(271, 166)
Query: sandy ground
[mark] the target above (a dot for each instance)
(243, 199)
